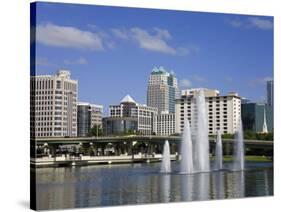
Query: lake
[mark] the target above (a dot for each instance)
(126, 184)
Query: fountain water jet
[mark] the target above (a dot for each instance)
(239, 154)
(219, 155)
(201, 147)
(166, 160)
(186, 163)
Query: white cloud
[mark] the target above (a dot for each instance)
(183, 50)
(65, 36)
(229, 79)
(185, 83)
(259, 81)
(157, 39)
(153, 42)
(163, 33)
(120, 33)
(110, 44)
(261, 23)
(80, 61)
(44, 61)
(195, 80)
(198, 78)
(251, 22)
(235, 23)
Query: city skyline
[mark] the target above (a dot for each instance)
(124, 52)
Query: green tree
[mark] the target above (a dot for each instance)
(129, 132)
(248, 134)
(228, 136)
(96, 130)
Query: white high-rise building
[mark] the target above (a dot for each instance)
(223, 111)
(162, 90)
(164, 124)
(144, 115)
(53, 105)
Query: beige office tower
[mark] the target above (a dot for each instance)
(223, 111)
(53, 105)
(162, 90)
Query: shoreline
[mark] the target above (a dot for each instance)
(102, 160)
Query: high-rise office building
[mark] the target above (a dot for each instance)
(162, 90)
(270, 93)
(132, 116)
(256, 116)
(88, 115)
(223, 111)
(53, 105)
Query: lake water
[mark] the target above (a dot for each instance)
(108, 185)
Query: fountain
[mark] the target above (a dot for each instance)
(186, 163)
(239, 149)
(219, 155)
(166, 160)
(201, 147)
(198, 162)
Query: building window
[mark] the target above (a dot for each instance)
(58, 86)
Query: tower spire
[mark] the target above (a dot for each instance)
(264, 127)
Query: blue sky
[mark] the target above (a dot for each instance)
(112, 50)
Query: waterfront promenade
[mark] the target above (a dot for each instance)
(123, 149)
(68, 160)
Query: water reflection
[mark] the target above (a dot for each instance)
(202, 182)
(235, 183)
(218, 187)
(165, 188)
(141, 183)
(266, 184)
(195, 186)
(186, 187)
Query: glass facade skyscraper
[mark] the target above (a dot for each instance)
(253, 117)
(88, 115)
(270, 93)
(83, 119)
